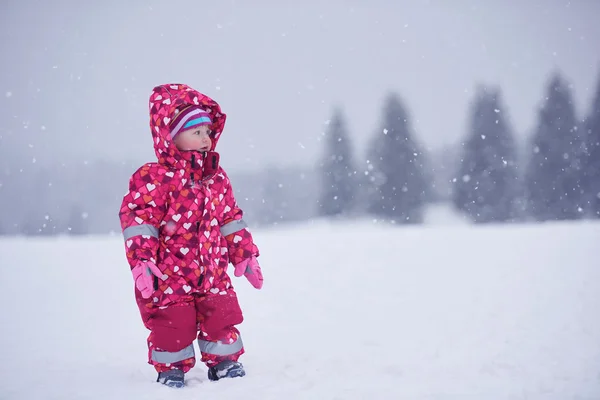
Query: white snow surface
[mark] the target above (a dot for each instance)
(348, 311)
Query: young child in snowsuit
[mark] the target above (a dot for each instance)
(182, 227)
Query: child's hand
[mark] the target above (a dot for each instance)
(250, 268)
(143, 275)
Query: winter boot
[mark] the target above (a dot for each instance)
(172, 378)
(226, 369)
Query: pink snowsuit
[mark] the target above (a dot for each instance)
(181, 214)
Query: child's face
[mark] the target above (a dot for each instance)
(194, 139)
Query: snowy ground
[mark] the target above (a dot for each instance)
(348, 311)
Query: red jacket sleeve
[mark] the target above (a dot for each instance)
(240, 243)
(141, 213)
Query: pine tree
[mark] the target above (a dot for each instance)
(592, 162)
(338, 171)
(486, 185)
(554, 173)
(398, 186)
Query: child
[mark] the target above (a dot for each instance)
(182, 227)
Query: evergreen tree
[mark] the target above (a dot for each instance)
(554, 173)
(486, 185)
(338, 172)
(592, 164)
(398, 182)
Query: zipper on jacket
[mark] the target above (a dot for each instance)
(193, 165)
(201, 279)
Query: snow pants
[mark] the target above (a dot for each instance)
(210, 318)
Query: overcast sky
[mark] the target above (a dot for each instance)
(76, 75)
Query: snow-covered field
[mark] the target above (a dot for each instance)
(348, 311)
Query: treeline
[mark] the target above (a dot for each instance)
(488, 177)
(491, 179)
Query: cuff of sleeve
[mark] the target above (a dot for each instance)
(241, 246)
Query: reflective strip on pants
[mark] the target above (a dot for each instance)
(167, 357)
(219, 348)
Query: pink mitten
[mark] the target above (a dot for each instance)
(143, 275)
(250, 268)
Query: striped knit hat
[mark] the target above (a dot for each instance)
(189, 117)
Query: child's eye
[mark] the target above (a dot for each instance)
(197, 133)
